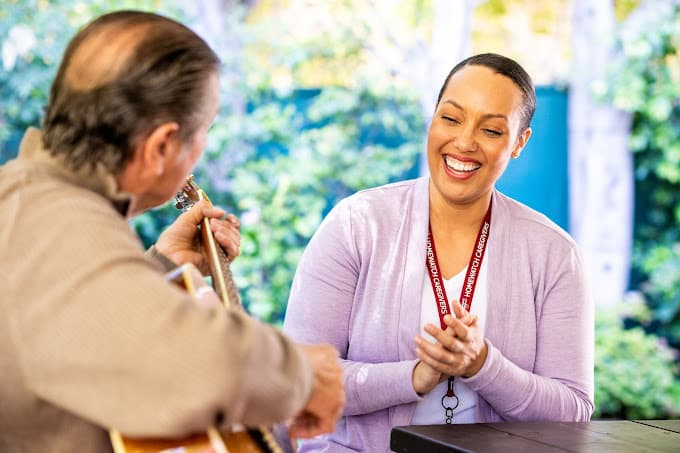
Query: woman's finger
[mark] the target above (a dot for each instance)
(460, 329)
(435, 351)
(462, 313)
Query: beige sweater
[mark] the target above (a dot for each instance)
(93, 337)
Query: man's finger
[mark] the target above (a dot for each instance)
(212, 212)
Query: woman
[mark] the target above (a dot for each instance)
(386, 267)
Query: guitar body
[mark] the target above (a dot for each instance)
(212, 441)
(250, 440)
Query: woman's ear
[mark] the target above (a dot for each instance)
(522, 140)
(159, 146)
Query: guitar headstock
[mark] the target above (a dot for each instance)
(217, 259)
(190, 194)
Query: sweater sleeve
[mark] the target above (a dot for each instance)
(560, 387)
(161, 261)
(320, 310)
(105, 337)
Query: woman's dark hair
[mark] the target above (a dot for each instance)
(163, 79)
(510, 69)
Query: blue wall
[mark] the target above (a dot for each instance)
(538, 178)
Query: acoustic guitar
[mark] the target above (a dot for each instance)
(213, 440)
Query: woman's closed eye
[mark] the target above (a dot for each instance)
(492, 132)
(450, 119)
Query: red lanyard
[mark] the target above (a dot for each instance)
(470, 282)
(466, 293)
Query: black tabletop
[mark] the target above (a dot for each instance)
(534, 437)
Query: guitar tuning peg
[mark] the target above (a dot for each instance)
(182, 201)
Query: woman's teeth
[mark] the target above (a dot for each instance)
(457, 165)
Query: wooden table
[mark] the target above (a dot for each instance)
(537, 437)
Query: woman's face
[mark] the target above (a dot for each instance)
(473, 134)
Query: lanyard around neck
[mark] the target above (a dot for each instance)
(450, 401)
(471, 274)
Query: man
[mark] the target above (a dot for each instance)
(92, 336)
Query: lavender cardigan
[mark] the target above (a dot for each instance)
(358, 287)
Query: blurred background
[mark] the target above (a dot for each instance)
(324, 98)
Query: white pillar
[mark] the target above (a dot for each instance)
(600, 162)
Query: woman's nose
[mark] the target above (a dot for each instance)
(465, 140)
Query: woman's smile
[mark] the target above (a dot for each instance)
(459, 167)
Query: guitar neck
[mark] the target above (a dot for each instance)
(218, 263)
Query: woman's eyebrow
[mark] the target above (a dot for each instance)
(486, 115)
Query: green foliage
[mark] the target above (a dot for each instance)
(622, 8)
(494, 7)
(646, 82)
(32, 36)
(634, 372)
(304, 153)
(288, 154)
(346, 140)
(662, 264)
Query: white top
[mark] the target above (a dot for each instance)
(429, 410)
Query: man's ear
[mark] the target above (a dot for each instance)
(161, 144)
(522, 140)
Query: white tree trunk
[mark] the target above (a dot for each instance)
(600, 163)
(219, 23)
(451, 42)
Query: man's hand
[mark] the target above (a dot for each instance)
(325, 406)
(179, 242)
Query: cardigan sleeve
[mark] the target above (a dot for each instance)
(320, 310)
(560, 386)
